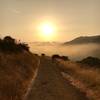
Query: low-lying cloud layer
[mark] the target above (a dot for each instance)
(75, 52)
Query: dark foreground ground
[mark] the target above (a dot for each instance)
(50, 85)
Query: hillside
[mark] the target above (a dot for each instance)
(17, 69)
(84, 40)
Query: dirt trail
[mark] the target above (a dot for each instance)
(50, 85)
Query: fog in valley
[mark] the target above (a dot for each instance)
(75, 52)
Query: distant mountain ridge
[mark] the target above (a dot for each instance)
(84, 40)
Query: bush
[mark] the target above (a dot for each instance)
(56, 56)
(92, 61)
(42, 54)
(23, 46)
(65, 58)
(9, 45)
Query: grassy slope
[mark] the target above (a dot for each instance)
(88, 77)
(16, 73)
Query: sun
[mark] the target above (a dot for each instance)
(47, 29)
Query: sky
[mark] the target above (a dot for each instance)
(72, 18)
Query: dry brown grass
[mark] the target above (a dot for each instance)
(16, 74)
(86, 76)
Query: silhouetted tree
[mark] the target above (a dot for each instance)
(8, 44)
(9, 39)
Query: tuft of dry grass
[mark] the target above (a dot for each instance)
(16, 74)
(83, 76)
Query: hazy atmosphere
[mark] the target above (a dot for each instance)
(67, 19)
(75, 52)
(49, 49)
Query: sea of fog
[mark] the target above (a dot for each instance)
(75, 52)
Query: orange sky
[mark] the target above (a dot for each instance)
(73, 18)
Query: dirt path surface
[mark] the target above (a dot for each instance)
(50, 85)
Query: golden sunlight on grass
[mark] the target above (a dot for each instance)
(85, 78)
(16, 74)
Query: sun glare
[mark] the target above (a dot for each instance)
(47, 30)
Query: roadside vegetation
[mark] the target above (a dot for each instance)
(10, 45)
(57, 57)
(17, 69)
(84, 75)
